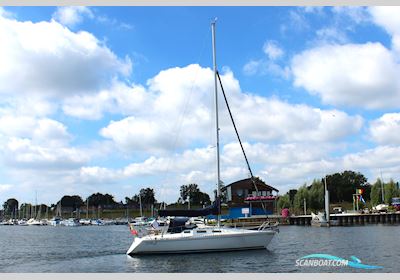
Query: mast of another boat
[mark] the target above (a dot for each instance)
(216, 118)
(140, 204)
(327, 212)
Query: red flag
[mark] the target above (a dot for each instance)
(133, 230)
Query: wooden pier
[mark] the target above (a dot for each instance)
(348, 219)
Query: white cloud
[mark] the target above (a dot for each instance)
(176, 105)
(21, 126)
(331, 35)
(95, 174)
(5, 14)
(138, 134)
(375, 159)
(356, 14)
(386, 129)
(268, 65)
(45, 131)
(358, 75)
(252, 67)
(178, 109)
(38, 143)
(45, 59)
(23, 153)
(119, 98)
(272, 50)
(388, 18)
(272, 119)
(350, 75)
(4, 187)
(71, 16)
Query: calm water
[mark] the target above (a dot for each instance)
(102, 249)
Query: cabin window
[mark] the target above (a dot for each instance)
(215, 230)
(186, 231)
(229, 193)
(264, 193)
(201, 231)
(239, 192)
(254, 193)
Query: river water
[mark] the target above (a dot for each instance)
(102, 249)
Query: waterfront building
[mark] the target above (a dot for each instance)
(242, 195)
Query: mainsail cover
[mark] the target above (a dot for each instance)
(213, 209)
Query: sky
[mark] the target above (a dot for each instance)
(115, 99)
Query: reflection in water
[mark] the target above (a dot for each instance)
(102, 249)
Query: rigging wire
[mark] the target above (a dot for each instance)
(240, 141)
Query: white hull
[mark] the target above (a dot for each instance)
(70, 223)
(226, 240)
(319, 220)
(320, 224)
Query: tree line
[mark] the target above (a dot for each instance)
(341, 187)
(146, 197)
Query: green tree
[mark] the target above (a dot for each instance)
(390, 191)
(74, 201)
(376, 193)
(148, 197)
(284, 202)
(26, 210)
(343, 185)
(10, 206)
(292, 194)
(193, 193)
(316, 195)
(302, 193)
(99, 199)
(187, 191)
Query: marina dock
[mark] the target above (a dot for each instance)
(345, 219)
(350, 219)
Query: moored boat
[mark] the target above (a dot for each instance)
(319, 220)
(179, 237)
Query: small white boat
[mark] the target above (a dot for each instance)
(71, 222)
(35, 222)
(55, 221)
(97, 222)
(319, 220)
(22, 222)
(85, 222)
(10, 222)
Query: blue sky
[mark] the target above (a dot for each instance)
(113, 99)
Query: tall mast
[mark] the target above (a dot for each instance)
(140, 204)
(382, 187)
(216, 113)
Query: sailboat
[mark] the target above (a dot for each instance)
(180, 237)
